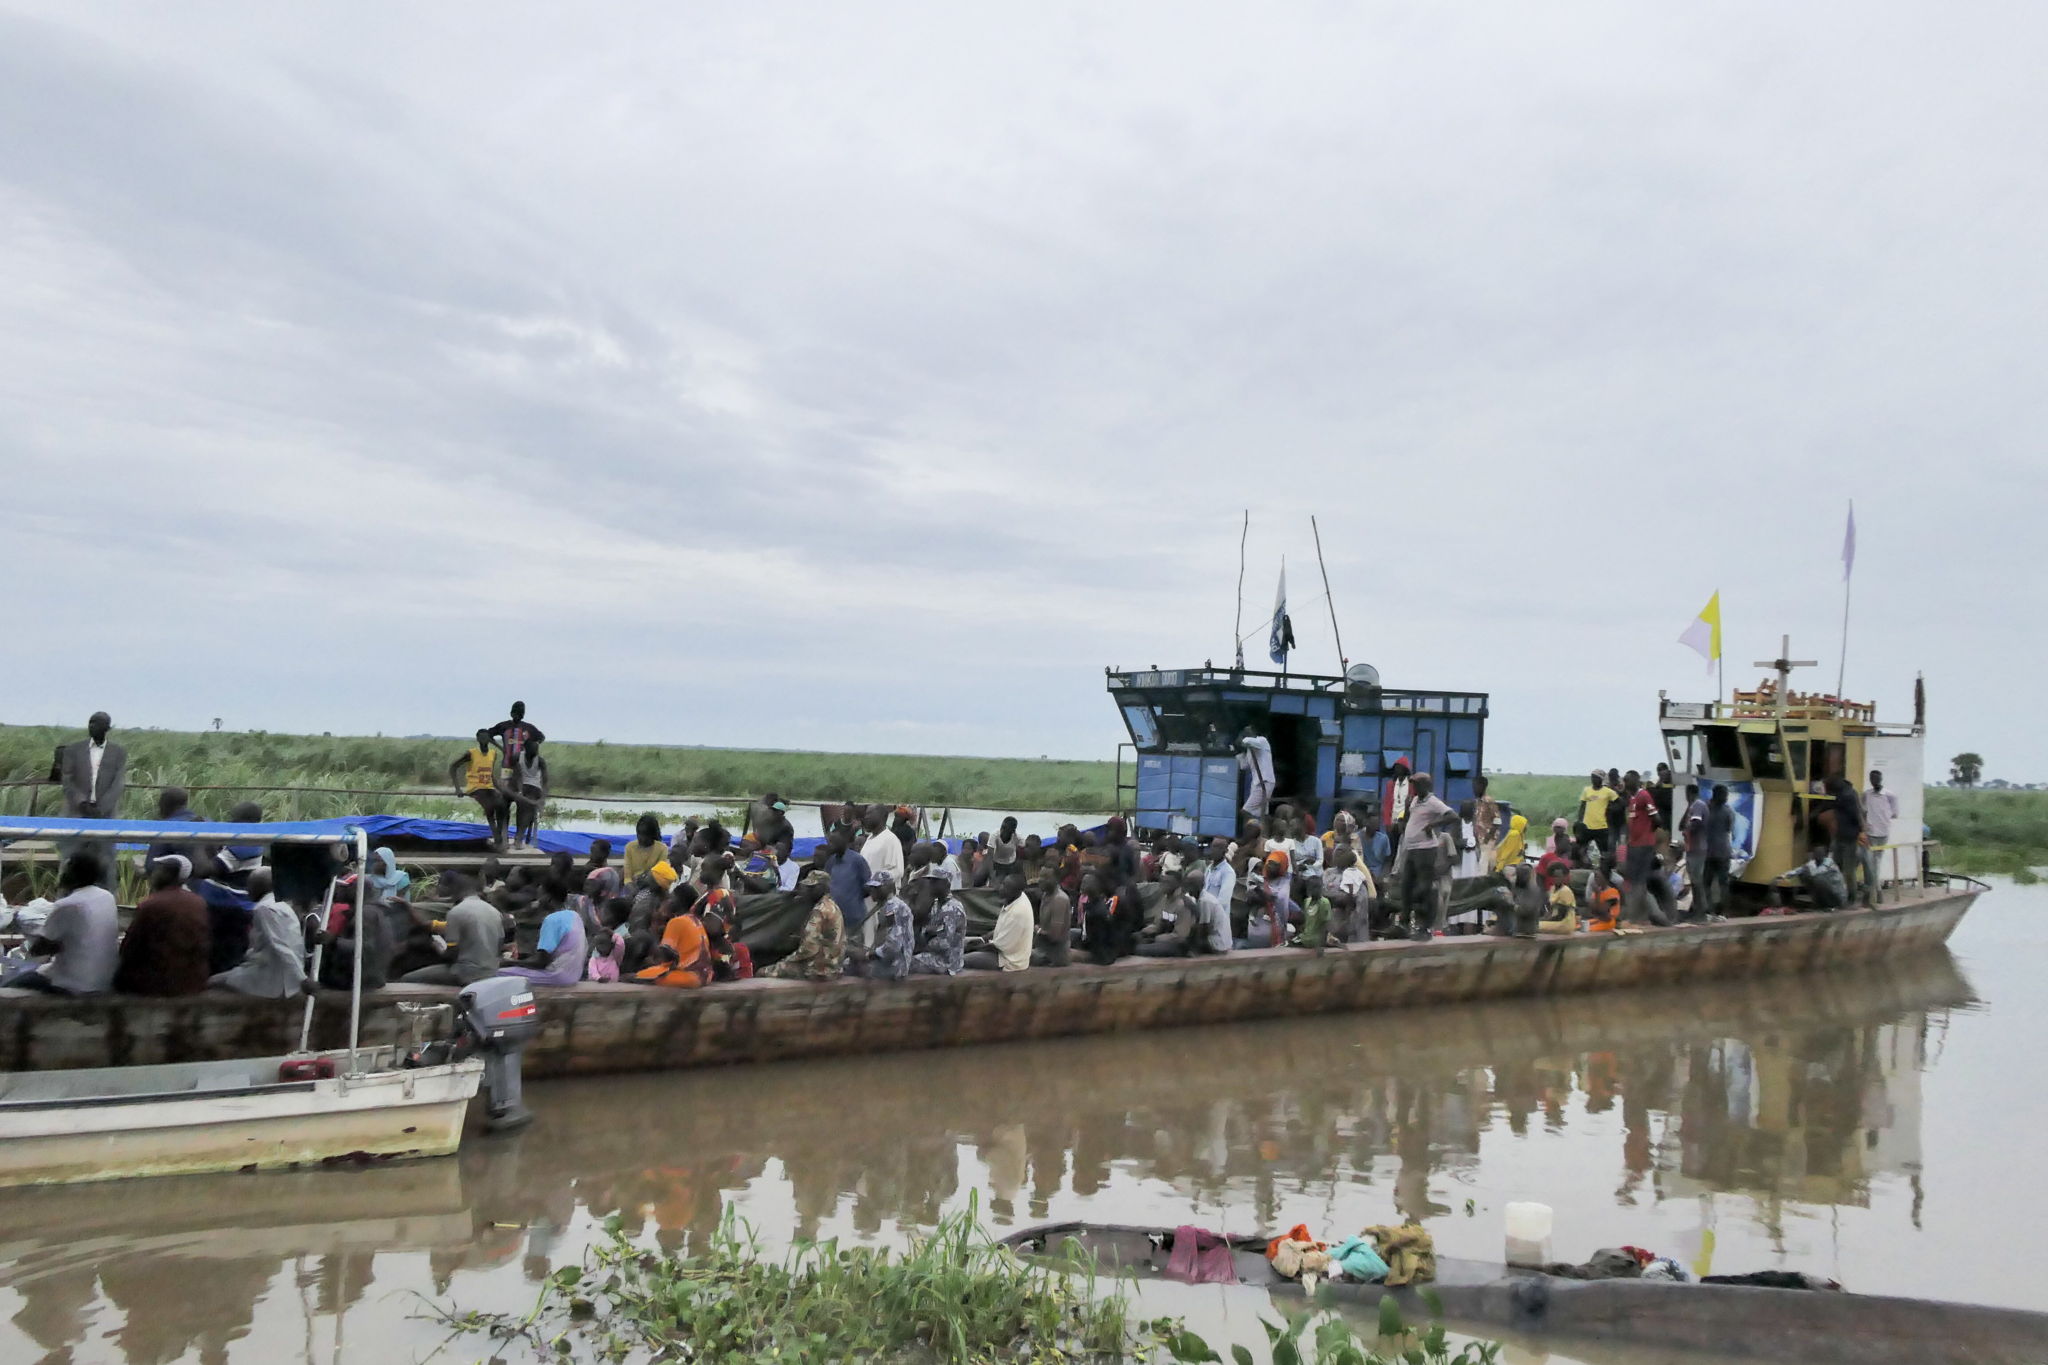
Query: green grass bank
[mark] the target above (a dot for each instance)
(1984, 831)
(259, 759)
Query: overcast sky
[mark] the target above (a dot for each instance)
(870, 376)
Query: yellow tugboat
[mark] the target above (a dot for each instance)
(1778, 750)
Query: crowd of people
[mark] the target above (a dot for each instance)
(875, 898)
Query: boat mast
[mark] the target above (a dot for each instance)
(1237, 629)
(1343, 664)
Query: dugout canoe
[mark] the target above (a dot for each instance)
(594, 1029)
(1816, 1326)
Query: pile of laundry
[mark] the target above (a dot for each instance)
(1634, 1263)
(1619, 1263)
(1394, 1254)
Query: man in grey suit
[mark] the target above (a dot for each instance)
(94, 773)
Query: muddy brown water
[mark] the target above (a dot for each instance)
(1872, 1125)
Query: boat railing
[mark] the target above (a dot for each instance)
(1762, 705)
(114, 832)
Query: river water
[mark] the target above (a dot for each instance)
(1875, 1125)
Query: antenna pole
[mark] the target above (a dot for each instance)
(1342, 662)
(1237, 633)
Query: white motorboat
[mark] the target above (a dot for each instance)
(261, 1113)
(184, 1117)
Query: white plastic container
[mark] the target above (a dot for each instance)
(1528, 1229)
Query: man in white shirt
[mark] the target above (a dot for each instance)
(883, 850)
(1255, 757)
(81, 938)
(1219, 885)
(1880, 808)
(1010, 943)
(94, 774)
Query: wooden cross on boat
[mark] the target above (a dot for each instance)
(1783, 666)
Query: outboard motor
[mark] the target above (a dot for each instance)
(498, 1017)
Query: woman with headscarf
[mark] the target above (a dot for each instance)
(1513, 846)
(388, 881)
(684, 958)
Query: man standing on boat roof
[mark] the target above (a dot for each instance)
(94, 774)
(516, 736)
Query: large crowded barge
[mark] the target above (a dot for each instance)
(594, 1029)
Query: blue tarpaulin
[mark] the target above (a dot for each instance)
(380, 829)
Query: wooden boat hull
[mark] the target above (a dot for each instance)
(1761, 1324)
(594, 1029)
(114, 1123)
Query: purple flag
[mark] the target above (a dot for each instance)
(1849, 544)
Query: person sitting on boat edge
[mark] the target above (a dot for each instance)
(1054, 945)
(474, 932)
(1562, 907)
(731, 960)
(337, 958)
(682, 961)
(1263, 921)
(1525, 890)
(81, 939)
(1823, 880)
(165, 949)
(1351, 892)
(1219, 888)
(822, 950)
(1316, 915)
(943, 949)
(889, 960)
(1095, 914)
(1175, 927)
(1009, 944)
(645, 850)
(563, 948)
(273, 966)
(232, 864)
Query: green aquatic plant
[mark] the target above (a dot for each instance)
(954, 1295)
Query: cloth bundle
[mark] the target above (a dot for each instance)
(1408, 1251)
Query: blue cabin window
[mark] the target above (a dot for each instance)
(1144, 726)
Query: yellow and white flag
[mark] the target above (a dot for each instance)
(1704, 634)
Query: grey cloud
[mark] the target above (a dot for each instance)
(925, 359)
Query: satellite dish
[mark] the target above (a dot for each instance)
(1361, 682)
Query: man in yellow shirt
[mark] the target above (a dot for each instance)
(475, 775)
(1593, 805)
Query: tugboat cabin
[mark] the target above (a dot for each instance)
(1335, 742)
(1778, 751)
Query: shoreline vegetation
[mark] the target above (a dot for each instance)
(953, 1295)
(1981, 831)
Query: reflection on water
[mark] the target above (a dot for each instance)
(1738, 1125)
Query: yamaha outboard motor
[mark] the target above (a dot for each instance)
(497, 1018)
